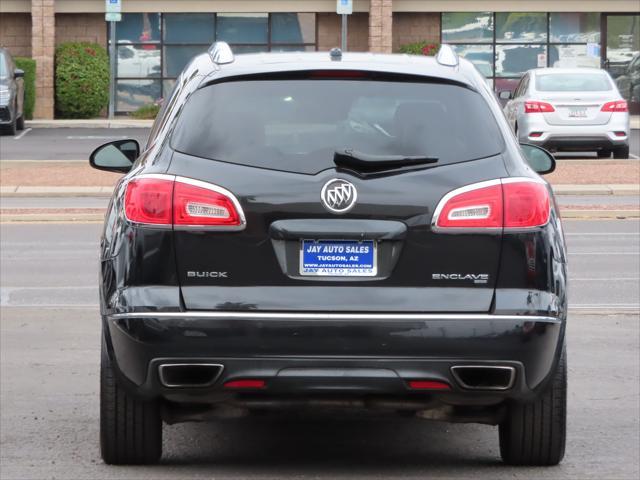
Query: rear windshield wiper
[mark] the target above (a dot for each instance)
(365, 162)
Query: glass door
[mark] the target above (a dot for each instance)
(621, 55)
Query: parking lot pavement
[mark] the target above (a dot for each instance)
(63, 143)
(78, 143)
(49, 360)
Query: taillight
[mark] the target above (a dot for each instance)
(165, 200)
(246, 383)
(617, 106)
(428, 385)
(479, 207)
(197, 203)
(513, 203)
(533, 106)
(148, 201)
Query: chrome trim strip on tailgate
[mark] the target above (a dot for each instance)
(335, 316)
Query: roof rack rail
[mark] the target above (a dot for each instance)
(447, 56)
(221, 53)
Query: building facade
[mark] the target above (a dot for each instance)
(155, 39)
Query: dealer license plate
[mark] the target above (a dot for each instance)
(338, 258)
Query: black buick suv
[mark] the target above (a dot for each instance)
(310, 230)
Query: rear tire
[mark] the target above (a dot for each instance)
(130, 429)
(535, 433)
(621, 152)
(604, 153)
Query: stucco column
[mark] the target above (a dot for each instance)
(42, 51)
(380, 25)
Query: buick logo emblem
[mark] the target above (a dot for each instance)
(338, 196)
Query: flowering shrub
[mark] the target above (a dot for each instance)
(420, 48)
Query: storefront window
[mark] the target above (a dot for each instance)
(138, 28)
(140, 61)
(480, 55)
(573, 56)
(521, 27)
(180, 28)
(504, 45)
(243, 27)
(293, 28)
(467, 27)
(514, 60)
(133, 94)
(154, 48)
(574, 27)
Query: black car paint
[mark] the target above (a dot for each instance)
(152, 310)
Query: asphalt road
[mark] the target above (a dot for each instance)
(78, 143)
(49, 359)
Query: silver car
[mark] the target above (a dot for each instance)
(570, 109)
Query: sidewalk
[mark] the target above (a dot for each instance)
(123, 122)
(76, 179)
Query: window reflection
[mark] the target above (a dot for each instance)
(133, 94)
(573, 56)
(293, 27)
(521, 27)
(469, 27)
(176, 57)
(184, 28)
(514, 60)
(480, 55)
(138, 28)
(574, 27)
(138, 61)
(243, 27)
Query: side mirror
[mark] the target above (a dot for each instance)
(539, 159)
(504, 95)
(18, 73)
(117, 156)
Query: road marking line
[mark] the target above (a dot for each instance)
(24, 132)
(614, 279)
(602, 234)
(604, 253)
(95, 137)
(631, 155)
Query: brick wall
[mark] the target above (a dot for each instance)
(43, 26)
(15, 33)
(380, 25)
(415, 27)
(329, 28)
(81, 27)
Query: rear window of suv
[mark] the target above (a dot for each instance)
(573, 82)
(297, 125)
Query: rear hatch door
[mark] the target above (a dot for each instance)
(272, 143)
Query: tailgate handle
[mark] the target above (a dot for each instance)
(337, 229)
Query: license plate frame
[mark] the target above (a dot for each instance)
(338, 268)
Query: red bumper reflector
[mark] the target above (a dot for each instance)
(245, 384)
(620, 134)
(535, 134)
(428, 385)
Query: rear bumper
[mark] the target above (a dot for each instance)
(575, 137)
(334, 353)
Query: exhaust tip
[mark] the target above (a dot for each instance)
(484, 377)
(189, 375)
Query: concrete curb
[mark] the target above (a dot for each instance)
(91, 123)
(598, 189)
(106, 191)
(54, 191)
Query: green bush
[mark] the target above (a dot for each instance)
(420, 48)
(146, 112)
(28, 65)
(82, 79)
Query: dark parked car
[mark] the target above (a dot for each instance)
(11, 95)
(309, 230)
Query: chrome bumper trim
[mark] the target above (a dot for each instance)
(216, 315)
